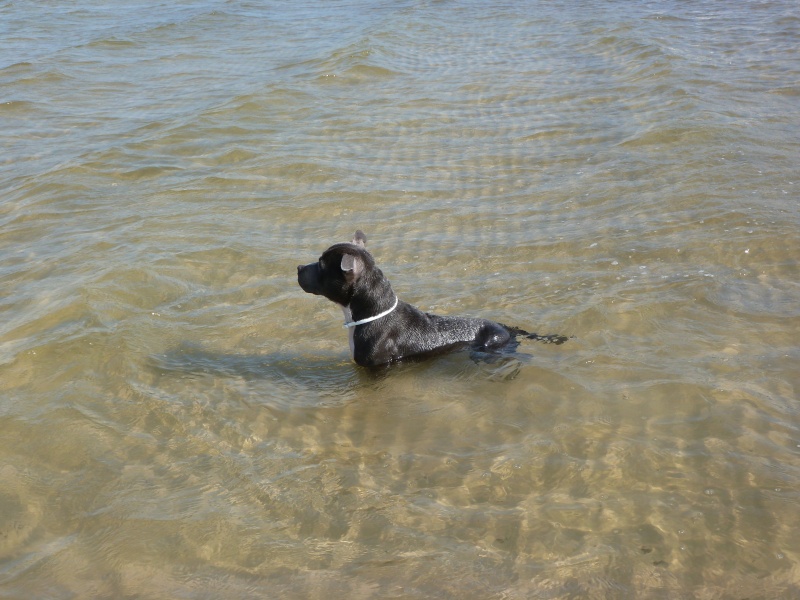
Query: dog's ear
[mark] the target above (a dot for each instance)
(359, 239)
(352, 266)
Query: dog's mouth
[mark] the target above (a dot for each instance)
(307, 277)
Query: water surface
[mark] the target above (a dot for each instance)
(178, 419)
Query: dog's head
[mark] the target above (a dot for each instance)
(338, 271)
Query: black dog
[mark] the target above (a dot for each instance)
(386, 329)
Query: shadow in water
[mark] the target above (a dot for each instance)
(325, 375)
(189, 360)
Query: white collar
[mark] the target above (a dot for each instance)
(370, 319)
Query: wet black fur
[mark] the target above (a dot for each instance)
(406, 331)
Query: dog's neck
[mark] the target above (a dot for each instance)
(350, 323)
(372, 300)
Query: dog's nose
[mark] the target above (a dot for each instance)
(299, 268)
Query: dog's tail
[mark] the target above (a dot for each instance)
(551, 338)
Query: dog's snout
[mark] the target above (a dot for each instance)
(299, 268)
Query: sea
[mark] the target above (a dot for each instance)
(178, 419)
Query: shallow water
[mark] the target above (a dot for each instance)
(178, 419)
